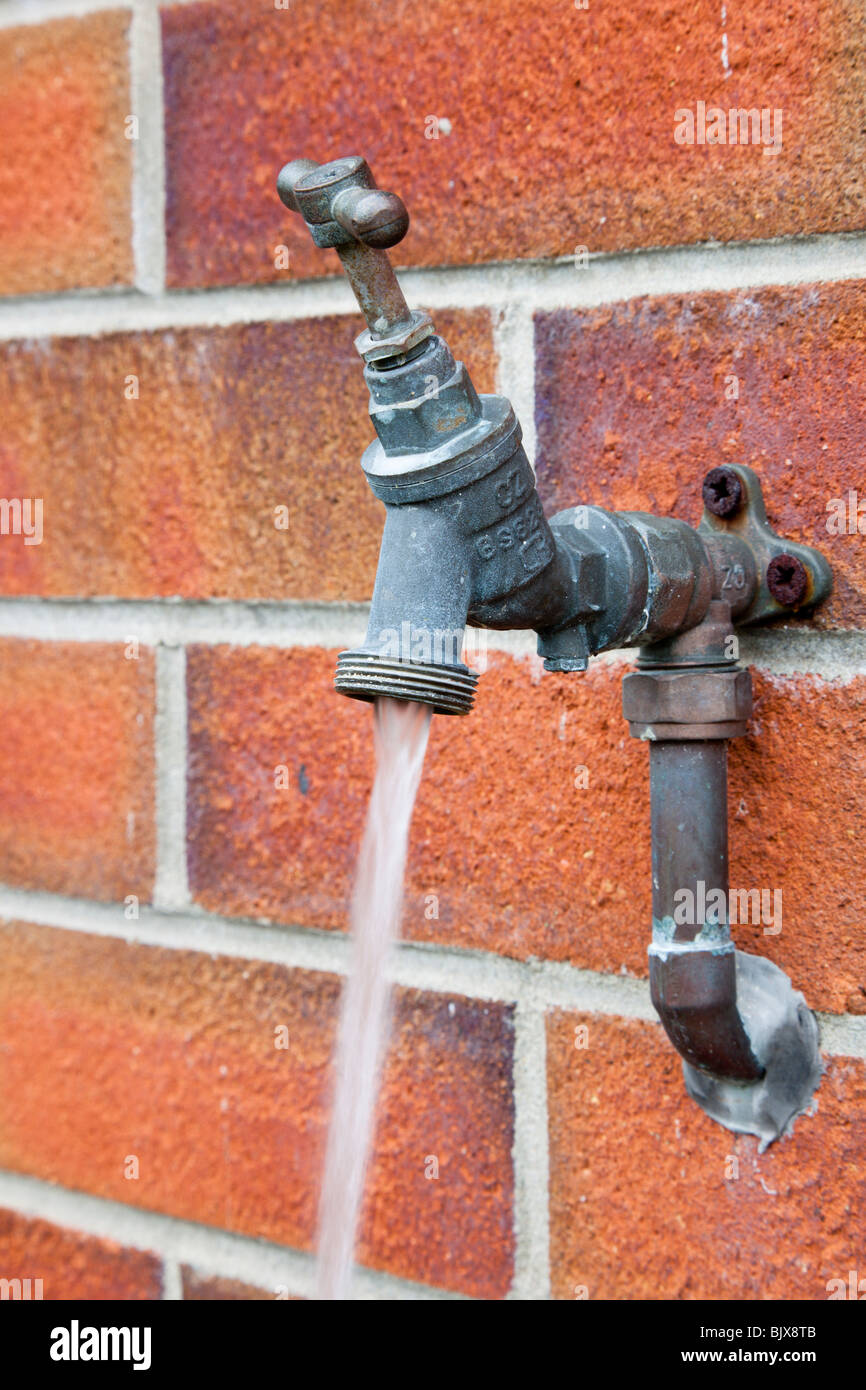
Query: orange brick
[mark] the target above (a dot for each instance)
(208, 1288)
(174, 492)
(65, 201)
(76, 768)
(170, 1056)
(795, 808)
(505, 848)
(645, 1203)
(632, 411)
(562, 125)
(72, 1265)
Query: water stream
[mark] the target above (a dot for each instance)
(401, 730)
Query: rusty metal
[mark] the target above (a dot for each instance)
(735, 572)
(749, 525)
(344, 209)
(722, 492)
(752, 1071)
(787, 580)
(656, 701)
(709, 644)
(687, 713)
(693, 985)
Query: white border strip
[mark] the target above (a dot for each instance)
(171, 890)
(514, 348)
(209, 1251)
(17, 12)
(172, 1280)
(534, 984)
(148, 154)
(181, 622)
(531, 1157)
(778, 650)
(532, 286)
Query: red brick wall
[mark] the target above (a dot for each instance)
(163, 388)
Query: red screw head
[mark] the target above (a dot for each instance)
(722, 492)
(787, 580)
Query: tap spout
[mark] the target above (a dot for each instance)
(465, 537)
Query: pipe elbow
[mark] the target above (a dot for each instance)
(748, 1042)
(694, 992)
(747, 1039)
(782, 1033)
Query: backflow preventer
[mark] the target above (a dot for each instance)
(466, 541)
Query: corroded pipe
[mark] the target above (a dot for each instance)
(692, 969)
(748, 1042)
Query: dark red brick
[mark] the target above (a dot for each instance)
(77, 768)
(72, 1265)
(562, 125)
(631, 410)
(506, 849)
(644, 1204)
(174, 492)
(169, 1056)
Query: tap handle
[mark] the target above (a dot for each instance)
(341, 204)
(343, 208)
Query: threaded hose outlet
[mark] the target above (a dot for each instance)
(366, 675)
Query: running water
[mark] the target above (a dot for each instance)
(401, 730)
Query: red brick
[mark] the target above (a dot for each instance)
(631, 410)
(209, 1288)
(170, 1056)
(641, 1207)
(65, 202)
(562, 125)
(795, 808)
(72, 1265)
(520, 860)
(228, 425)
(76, 768)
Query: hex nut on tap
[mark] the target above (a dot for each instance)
(373, 347)
(693, 704)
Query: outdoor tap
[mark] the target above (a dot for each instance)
(465, 536)
(466, 540)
